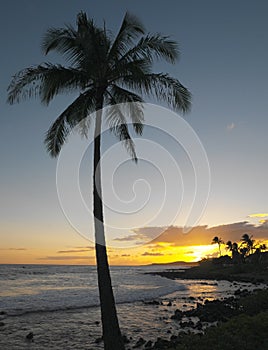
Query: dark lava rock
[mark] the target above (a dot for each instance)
(173, 338)
(215, 310)
(178, 315)
(29, 336)
(2, 324)
(162, 344)
(198, 326)
(98, 340)
(241, 292)
(153, 302)
(187, 324)
(139, 343)
(125, 339)
(148, 345)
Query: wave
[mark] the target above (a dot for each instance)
(73, 292)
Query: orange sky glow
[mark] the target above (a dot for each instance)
(68, 248)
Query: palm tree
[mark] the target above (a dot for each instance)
(103, 70)
(263, 247)
(233, 247)
(248, 242)
(219, 241)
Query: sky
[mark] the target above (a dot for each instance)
(223, 63)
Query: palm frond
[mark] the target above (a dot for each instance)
(162, 87)
(132, 104)
(130, 29)
(44, 81)
(118, 126)
(75, 115)
(154, 46)
(84, 46)
(137, 68)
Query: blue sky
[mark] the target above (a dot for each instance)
(224, 57)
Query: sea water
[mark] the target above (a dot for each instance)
(60, 305)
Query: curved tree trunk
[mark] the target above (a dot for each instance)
(110, 326)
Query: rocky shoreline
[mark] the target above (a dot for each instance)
(204, 324)
(198, 322)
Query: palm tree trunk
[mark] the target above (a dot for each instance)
(110, 326)
(220, 248)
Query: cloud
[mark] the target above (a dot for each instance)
(127, 238)
(201, 235)
(13, 249)
(72, 257)
(17, 249)
(143, 234)
(230, 126)
(152, 254)
(74, 251)
(262, 215)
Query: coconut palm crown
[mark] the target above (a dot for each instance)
(104, 71)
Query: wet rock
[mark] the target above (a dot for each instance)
(153, 302)
(187, 324)
(125, 339)
(173, 338)
(162, 344)
(139, 343)
(148, 345)
(198, 326)
(29, 336)
(98, 340)
(241, 292)
(178, 315)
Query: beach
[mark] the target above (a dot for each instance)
(61, 309)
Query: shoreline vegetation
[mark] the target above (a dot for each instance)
(236, 322)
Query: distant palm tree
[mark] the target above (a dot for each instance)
(263, 247)
(104, 71)
(219, 241)
(233, 247)
(248, 242)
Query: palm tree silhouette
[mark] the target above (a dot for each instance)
(219, 241)
(233, 247)
(248, 242)
(105, 71)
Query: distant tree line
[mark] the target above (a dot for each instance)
(246, 249)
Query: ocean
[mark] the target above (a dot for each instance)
(60, 305)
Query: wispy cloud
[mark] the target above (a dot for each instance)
(142, 234)
(13, 249)
(74, 251)
(72, 257)
(152, 254)
(261, 215)
(173, 236)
